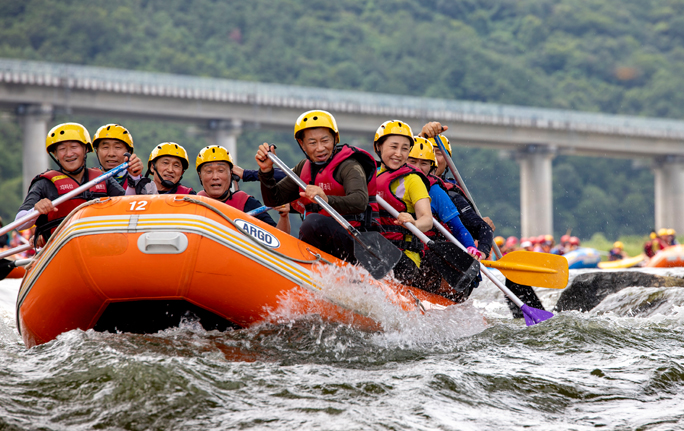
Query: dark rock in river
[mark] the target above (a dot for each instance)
(588, 290)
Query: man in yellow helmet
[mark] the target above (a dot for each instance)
(214, 168)
(111, 142)
(422, 158)
(68, 145)
(342, 175)
(167, 163)
(481, 228)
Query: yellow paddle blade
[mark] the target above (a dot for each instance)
(533, 269)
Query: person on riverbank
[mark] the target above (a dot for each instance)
(510, 245)
(214, 167)
(111, 143)
(480, 228)
(341, 175)
(68, 145)
(167, 163)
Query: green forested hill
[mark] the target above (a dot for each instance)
(593, 55)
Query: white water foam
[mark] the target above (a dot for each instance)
(353, 288)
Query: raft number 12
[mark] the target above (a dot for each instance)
(140, 207)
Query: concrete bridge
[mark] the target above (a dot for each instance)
(533, 136)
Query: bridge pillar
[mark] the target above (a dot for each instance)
(669, 193)
(226, 133)
(34, 122)
(536, 201)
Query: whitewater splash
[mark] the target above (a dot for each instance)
(353, 288)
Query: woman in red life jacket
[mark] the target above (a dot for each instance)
(406, 189)
(167, 164)
(214, 167)
(111, 142)
(67, 144)
(342, 175)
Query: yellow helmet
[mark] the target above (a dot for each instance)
(444, 140)
(315, 119)
(213, 153)
(114, 131)
(499, 241)
(671, 232)
(68, 132)
(394, 127)
(662, 232)
(618, 244)
(423, 150)
(652, 235)
(169, 149)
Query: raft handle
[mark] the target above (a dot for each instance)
(162, 243)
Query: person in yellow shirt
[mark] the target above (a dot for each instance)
(406, 190)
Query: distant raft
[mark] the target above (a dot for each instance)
(668, 258)
(143, 263)
(623, 263)
(583, 258)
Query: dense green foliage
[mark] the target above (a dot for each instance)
(592, 55)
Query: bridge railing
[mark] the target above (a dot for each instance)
(168, 85)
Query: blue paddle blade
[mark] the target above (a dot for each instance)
(535, 315)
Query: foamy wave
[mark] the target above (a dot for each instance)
(353, 288)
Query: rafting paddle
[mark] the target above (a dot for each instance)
(372, 250)
(529, 292)
(525, 267)
(6, 266)
(33, 214)
(256, 211)
(532, 315)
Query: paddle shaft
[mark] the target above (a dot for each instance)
(414, 230)
(461, 183)
(319, 200)
(33, 214)
(15, 250)
(257, 211)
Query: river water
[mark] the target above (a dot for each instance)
(471, 367)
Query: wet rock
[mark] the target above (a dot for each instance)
(588, 290)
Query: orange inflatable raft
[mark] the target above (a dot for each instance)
(143, 263)
(668, 258)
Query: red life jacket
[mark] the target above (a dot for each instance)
(179, 190)
(398, 235)
(47, 223)
(237, 199)
(325, 179)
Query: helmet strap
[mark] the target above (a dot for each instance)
(225, 195)
(165, 183)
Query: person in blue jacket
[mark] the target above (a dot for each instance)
(422, 157)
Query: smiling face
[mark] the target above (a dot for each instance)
(167, 168)
(110, 153)
(70, 154)
(394, 151)
(318, 143)
(215, 177)
(425, 166)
